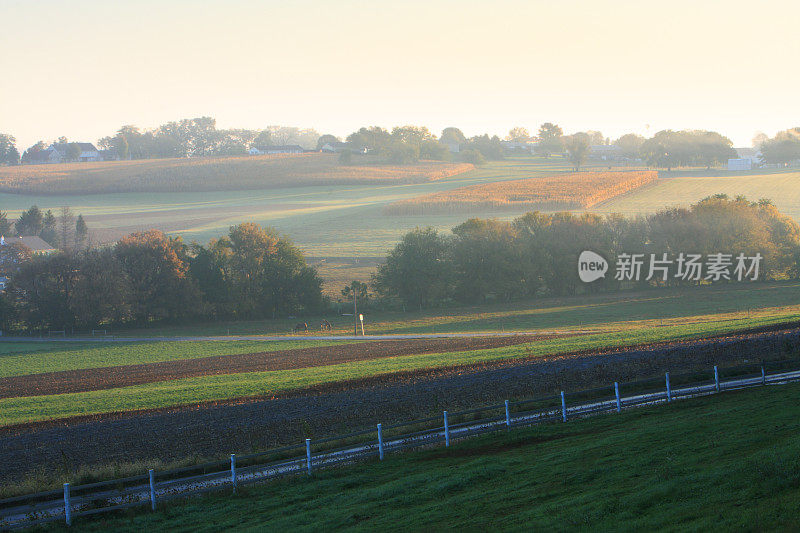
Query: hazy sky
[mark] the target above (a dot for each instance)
(84, 68)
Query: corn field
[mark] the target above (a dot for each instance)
(578, 190)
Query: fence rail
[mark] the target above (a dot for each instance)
(154, 488)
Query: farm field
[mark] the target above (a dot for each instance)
(337, 225)
(565, 192)
(726, 462)
(618, 322)
(214, 174)
(783, 188)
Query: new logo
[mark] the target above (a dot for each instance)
(591, 267)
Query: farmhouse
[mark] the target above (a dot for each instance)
(606, 152)
(284, 149)
(36, 245)
(58, 153)
(335, 147)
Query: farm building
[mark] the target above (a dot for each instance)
(454, 148)
(57, 153)
(742, 163)
(605, 152)
(335, 147)
(37, 245)
(283, 149)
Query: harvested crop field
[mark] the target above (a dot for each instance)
(119, 376)
(216, 174)
(577, 190)
(211, 431)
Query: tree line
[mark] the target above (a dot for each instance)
(150, 277)
(198, 137)
(64, 231)
(537, 254)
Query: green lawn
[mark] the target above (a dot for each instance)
(721, 463)
(220, 387)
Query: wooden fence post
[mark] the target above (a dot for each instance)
(508, 416)
(716, 378)
(563, 407)
(616, 393)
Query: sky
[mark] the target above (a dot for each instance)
(84, 68)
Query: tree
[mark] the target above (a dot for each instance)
(8, 150)
(103, 291)
(489, 147)
(518, 134)
(402, 153)
(66, 223)
(30, 222)
(418, 270)
(549, 139)
(33, 150)
(325, 139)
(73, 152)
(669, 149)
(470, 155)
(81, 232)
(158, 266)
(49, 231)
(783, 148)
(5, 225)
(452, 136)
(578, 147)
(630, 144)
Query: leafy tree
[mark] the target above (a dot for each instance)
(518, 134)
(578, 147)
(669, 149)
(73, 152)
(8, 150)
(471, 155)
(33, 150)
(418, 270)
(486, 261)
(103, 291)
(157, 266)
(549, 139)
(373, 139)
(434, 150)
(630, 145)
(783, 148)
(30, 222)
(489, 147)
(402, 153)
(325, 139)
(452, 136)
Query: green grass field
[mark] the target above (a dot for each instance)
(721, 463)
(618, 321)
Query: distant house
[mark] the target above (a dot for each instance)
(452, 147)
(36, 245)
(285, 149)
(606, 152)
(109, 155)
(517, 146)
(741, 163)
(58, 153)
(336, 147)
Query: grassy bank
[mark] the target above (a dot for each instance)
(728, 462)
